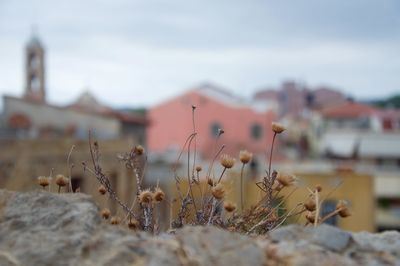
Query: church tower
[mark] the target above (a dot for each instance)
(34, 69)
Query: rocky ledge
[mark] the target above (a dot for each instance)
(40, 228)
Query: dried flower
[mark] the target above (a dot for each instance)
(43, 181)
(285, 180)
(139, 150)
(198, 168)
(133, 224)
(218, 191)
(318, 188)
(227, 161)
(245, 156)
(146, 196)
(61, 180)
(158, 195)
(229, 206)
(115, 220)
(310, 216)
(105, 213)
(343, 209)
(277, 186)
(277, 127)
(310, 204)
(102, 190)
(210, 182)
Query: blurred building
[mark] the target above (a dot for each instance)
(247, 125)
(368, 140)
(36, 137)
(294, 97)
(31, 116)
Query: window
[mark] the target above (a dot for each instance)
(327, 207)
(214, 129)
(77, 183)
(256, 131)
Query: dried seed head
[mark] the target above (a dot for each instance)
(277, 186)
(115, 220)
(343, 209)
(198, 168)
(273, 216)
(133, 224)
(102, 190)
(105, 213)
(285, 180)
(318, 188)
(210, 182)
(146, 196)
(139, 150)
(61, 180)
(229, 206)
(310, 216)
(277, 127)
(158, 195)
(227, 161)
(245, 156)
(218, 191)
(43, 181)
(310, 204)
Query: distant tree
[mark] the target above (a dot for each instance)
(392, 102)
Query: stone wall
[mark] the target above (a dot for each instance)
(41, 228)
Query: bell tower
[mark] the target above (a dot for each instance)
(34, 70)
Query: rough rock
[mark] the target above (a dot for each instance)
(41, 228)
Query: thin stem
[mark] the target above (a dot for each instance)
(188, 173)
(223, 172)
(195, 141)
(330, 215)
(316, 193)
(241, 188)
(270, 155)
(70, 168)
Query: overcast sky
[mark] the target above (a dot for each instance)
(139, 53)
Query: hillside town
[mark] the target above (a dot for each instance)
(331, 139)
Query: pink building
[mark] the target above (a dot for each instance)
(246, 126)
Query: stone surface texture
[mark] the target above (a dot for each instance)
(41, 228)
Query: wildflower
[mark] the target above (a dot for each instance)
(229, 206)
(310, 216)
(245, 156)
(139, 150)
(198, 168)
(102, 190)
(133, 224)
(158, 195)
(318, 188)
(105, 213)
(343, 209)
(227, 161)
(277, 127)
(218, 191)
(146, 196)
(115, 220)
(310, 204)
(210, 182)
(61, 181)
(43, 181)
(285, 180)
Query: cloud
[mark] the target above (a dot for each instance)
(140, 52)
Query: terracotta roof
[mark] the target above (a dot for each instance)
(349, 110)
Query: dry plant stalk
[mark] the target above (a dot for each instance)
(212, 208)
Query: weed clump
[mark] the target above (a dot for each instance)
(209, 206)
